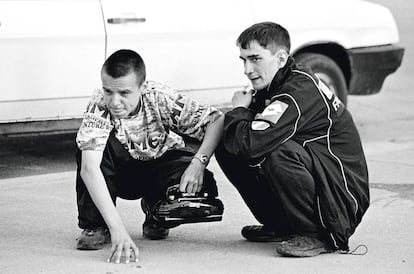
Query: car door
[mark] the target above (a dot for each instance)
(189, 45)
(50, 56)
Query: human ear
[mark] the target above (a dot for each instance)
(282, 57)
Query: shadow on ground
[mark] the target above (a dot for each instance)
(404, 191)
(34, 155)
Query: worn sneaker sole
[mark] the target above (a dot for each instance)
(302, 253)
(255, 233)
(302, 246)
(265, 239)
(84, 244)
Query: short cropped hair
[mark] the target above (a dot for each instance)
(122, 62)
(269, 35)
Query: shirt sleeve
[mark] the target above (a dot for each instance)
(189, 117)
(96, 126)
(252, 135)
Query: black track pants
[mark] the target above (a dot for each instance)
(131, 179)
(280, 192)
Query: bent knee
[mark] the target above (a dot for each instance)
(287, 155)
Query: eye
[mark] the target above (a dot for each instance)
(124, 93)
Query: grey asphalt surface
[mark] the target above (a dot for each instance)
(38, 209)
(38, 231)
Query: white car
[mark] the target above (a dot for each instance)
(51, 52)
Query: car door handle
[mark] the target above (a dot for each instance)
(126, 20)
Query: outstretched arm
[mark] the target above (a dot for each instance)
(96, 185)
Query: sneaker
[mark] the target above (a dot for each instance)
(260, 233)
(303, 246)
(150, 228)
(93, 239)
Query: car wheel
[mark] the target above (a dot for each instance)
(327, 70)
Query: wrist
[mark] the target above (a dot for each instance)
(115, 223)
(202, 158)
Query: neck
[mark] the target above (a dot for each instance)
(136, 109)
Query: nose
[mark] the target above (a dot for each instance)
(115, 100)
(248, 68)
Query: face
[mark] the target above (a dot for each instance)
(260, 65)
(121, 95)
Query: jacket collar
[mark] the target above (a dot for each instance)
(279, 78)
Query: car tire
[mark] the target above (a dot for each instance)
(327, 70)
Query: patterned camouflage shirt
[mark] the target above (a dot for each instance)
(164, 115)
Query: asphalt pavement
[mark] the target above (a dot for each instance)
(38, 231)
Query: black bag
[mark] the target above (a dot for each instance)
(181, 208)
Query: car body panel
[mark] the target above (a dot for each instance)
(49, 57)
(174, 44)
(51, 51)
(351, 23)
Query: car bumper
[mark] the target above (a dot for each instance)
(370, 66)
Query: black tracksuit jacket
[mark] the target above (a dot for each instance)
(298, 107)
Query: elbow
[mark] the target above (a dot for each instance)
(235, 147)
(86, 172)
(249, 153)
(83, 173)
(243, 149)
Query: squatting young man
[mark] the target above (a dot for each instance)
(292, 150)
(131, 146)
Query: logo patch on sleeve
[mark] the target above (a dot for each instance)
(260, 125)
(274, 111)
(271, 114)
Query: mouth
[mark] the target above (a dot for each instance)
(253, 79)
(116, 110)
